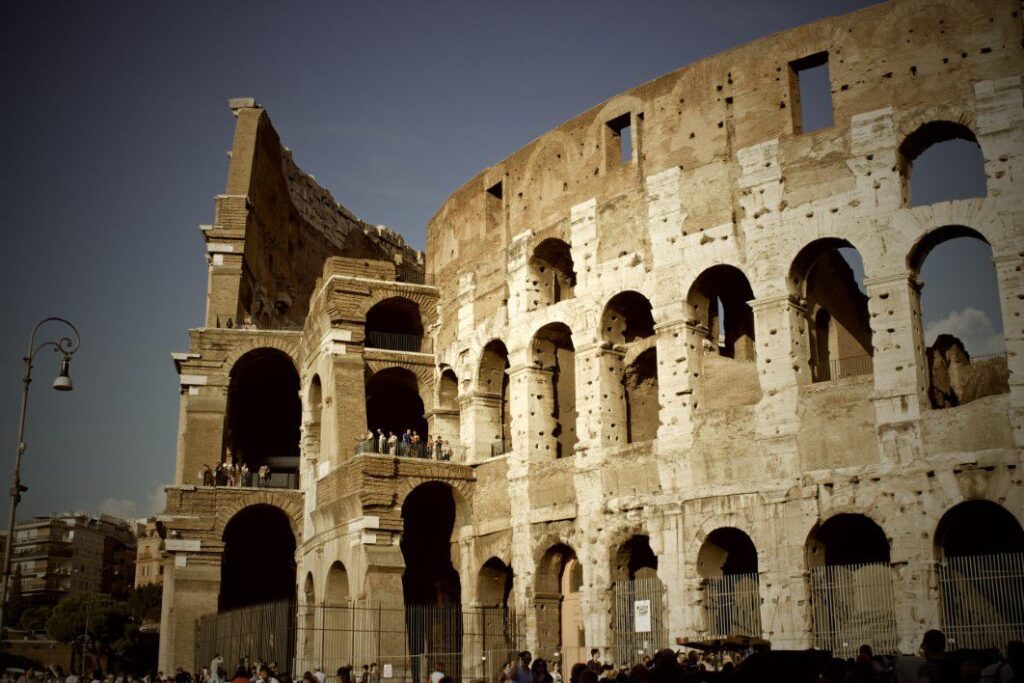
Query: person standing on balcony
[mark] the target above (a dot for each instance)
(446, 450)
(246, 476)
(392, 444)
(404, 445)
(382, 441)
(438, 448)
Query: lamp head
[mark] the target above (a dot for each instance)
(63, 381)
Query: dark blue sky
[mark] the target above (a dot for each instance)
(114, 132)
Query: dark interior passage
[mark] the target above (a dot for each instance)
(847, 539)
(428, 515)
(978, 527)
(727, 551)
(258, 564)
(393, 403)
(264, 411)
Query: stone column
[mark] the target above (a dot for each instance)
(600, 399)
(521, 291)
(347, 405)
(1011, 301)
(480, 423)
(201, 440)
(915, 591)
(191, 589)
(583, 225)
(783, 364)
(900, 364)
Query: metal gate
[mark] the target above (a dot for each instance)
(732, 605)
(981, 599)
(265, 631)
(640, 627)
(851, 605)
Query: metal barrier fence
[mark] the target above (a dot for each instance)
(851, 605)
(266, 631)
(394, 341)
(408, 641)
(640, 626)
(732, 605)
(851, 366)
(423, 449)
(981, 599)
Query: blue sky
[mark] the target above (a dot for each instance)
(114, 132)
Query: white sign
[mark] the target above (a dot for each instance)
(642, 616)
(388, 671)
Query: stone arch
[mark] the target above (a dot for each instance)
(554, 356)
(977, 527)
(552, 273)
(448, 389)
(958, 374)
(313, 418)
(395, 323)
(557, 583)
(632, 409)
(257, 525)
(461, 490)
(837, 326)
(288, 343)
(336, 587)
(728, 566)
(494, 583)
(494, 420)
(847, 538)
(228, 508)
(723, 291)
(394, 402)
(263, 418)
(924, 141)
(634, 559)
(552, 163)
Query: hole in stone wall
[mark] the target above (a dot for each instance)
(553, 352)
(811, 93)
(619, 140)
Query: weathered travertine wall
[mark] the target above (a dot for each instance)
(724, 196)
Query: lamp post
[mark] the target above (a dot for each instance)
(66, 346)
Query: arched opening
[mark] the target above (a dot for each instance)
(552, 275)
(557, 600)
(264, 527)
(393, 405)
(498, 628)
(448, 390)
(308, 638)
(553, 353)
(430, 582)
(828, 275)
(492, 388)
(639, 622)
(336, 590)
(446, 424)
(980, 548)
(941, 161)
(628, 326)
(851, 586)
(721, 332)
(264, 414)
(727, 564)
(960, 317)
(314, 416)
(395, 324)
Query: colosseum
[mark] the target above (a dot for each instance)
(652, 398)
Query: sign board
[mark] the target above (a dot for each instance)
(388, 671)
(642, 616)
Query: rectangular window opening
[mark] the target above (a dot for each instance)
(495, 206)
(811, 93)
(621, 139)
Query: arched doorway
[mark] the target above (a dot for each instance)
(314, 416)
(828, 275)
(393, 404)
(338, 620)
(627, 325)
(494, 421)
(430, 583)
(960, 317)
(851, 586)
(263, 530)
(395, 323)
(560, 631)
(264, 413)
(554, 355)
(979, 546)
(499, 631)
(727, 564)
(639, 623)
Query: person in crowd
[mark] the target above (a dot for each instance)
(638, 674)
(382, 441)
(446, 450)
(1009, 669)
(374, 676)
(246, 476)
(937, 668)
(438, 673)
(594, 663)
(365, 676)
(406, 441)
(556, 673)
(539, 669)
(319, 675)
(264, 478)
(415, 445)
(576, 671)
(588, 676)
(523, 672)
(216, 664)
(437, 448)
(506, 673)
(308, 677)
(241, 674)
(392, 444)
(607, 672)
(265, 677)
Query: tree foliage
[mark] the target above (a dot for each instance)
(102, 620)
(145, 602)
(35, 618)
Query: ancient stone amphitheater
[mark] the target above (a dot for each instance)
(674, 409)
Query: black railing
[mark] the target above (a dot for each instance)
(252, 480)
(501, 447)
(395, 341)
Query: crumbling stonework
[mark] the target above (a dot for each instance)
(747, 391)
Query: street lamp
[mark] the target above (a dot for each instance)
(66, 346)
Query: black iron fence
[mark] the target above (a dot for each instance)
(424, 449)
(397, 342)
(265, 631)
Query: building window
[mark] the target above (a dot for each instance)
(810, 93)
(619, 140)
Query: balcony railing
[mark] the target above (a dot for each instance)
(851, 366)
(395, 341)
(425, 449)
(501, 447)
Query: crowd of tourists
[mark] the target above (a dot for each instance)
(408, 444)
(232, 475)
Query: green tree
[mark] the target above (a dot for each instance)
(102, 620)
(145, 601)
(34, 618)
(15, 600)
